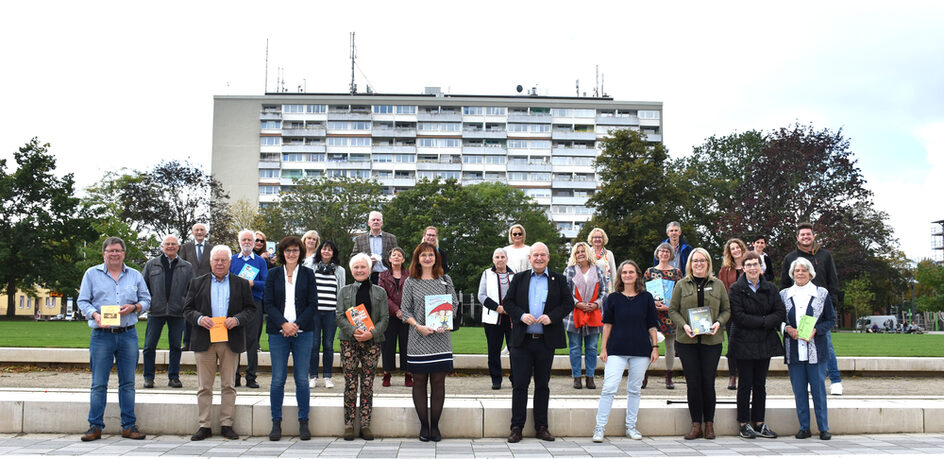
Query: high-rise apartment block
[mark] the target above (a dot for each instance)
(544, 146)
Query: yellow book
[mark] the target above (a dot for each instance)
(111, 315)
(219, 333)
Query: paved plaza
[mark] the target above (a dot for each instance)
(179, 446)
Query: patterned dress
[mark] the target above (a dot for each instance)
(673, 274)
(433, 353)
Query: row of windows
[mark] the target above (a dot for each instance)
(411, 109)
(398, 109)
(348, 141)
(476, 159)
(445, 175)
(575, 112)
(304, 108)
(533, 177)
(579, 210)
(439, 127)
(532, 144)
(484, 110)
(341, 157)
(438, 143)
(527, 127)
(349, 125)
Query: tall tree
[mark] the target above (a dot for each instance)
(931, 279)
(472, 220)
(638, 196)
(859, 295)
(40, 227)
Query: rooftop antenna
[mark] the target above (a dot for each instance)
(596, 85)
(265, 85)
(353, 85)
(602, 79)
(578, 87)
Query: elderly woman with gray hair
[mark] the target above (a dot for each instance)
(665, 271)
(495, 320)
(806, 355)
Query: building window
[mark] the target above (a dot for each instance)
(648, 114)
(270, 141)
(472, 159)
(269, 173)
(472, 110)
(271, 125)
(269, 189)
(360, 141)
(402, 158)
(383, 109)
(383, 158)
(520, 176)
(406, 109)
(337, 141)
(540, 177)
(528, 127)
(293, 157)
(496, 110)
(495, 159)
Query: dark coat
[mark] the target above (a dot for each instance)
(822, 261)
(757, 318)
(198, 303)
(387, 241)
(161, 305)
(306, 299)
(560, 302)
(188, 251)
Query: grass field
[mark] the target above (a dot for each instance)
(468, 340)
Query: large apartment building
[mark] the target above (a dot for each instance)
(544, 146)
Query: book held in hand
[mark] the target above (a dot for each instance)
(700, 320)
(248, 272)
(439, 311)
(656, 288)
(219, 333)
(359, 318)
(111, 315)
(805, 327)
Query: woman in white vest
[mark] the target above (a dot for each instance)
(497, 323)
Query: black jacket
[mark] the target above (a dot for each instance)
(822, 261)
(757, 318)
(559, 303)
(306, 299)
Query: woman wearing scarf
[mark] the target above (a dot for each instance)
(584, 324)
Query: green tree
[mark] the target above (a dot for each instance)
(40, 227)
(473, 220)
(930, 295)
(638, 196)
(859, 295)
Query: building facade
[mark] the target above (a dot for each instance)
(544, 146)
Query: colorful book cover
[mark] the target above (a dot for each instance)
(111, 315)
(248, 272)
(359, 318)
(657, 289)
(668, 286)
(439, 311)
(805, 327)
(219, 333)
(699, 319)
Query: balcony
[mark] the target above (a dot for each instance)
(270, 116)
(392, 132)
(304, 132)
(393, 149)
(569, 200)
(347, 165)
(438, 166)
(653, 137)
(575, 151)
(348, 116)
(528, 118)
(484, 134)
(571, 135)
(454, 117)
(650, 122)
(303, 148)
(392, 181)
(270, 164)
(581, 184)
(495, 150)
(618, 120)
(528, 167)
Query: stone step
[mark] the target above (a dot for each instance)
(464, 416)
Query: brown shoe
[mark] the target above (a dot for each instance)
(94, 433)
(695, 433)
(408, 380)
(710, 430)
(132, 433)
(645, 381)
(590, 383)
(515, 435)
(578, 384)
(385, 382)
(541, 433)
(668, 381)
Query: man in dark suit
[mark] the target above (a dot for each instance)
(377, 244)
(537, 301)
(218, 295)
(197, 253)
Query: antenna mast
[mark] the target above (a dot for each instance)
(596, 84)
(353, 85)
(265, 86)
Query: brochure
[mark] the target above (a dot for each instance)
(111, 315)
(248, 272)
(700, 320)
(805, 327)
(439, 311)
(219, 333)
(359, 318)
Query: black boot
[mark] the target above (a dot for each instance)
(303, 432)
(276, 433)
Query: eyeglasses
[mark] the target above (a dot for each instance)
(292, 251)
(517, 234)
(752, 265)
(260, 240)
(114, 251)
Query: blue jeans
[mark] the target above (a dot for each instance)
(612, 375)
(155, 326)
(832, 366)
(107, 349)
(589, 343)
(801, 374)
(325, 327)
(300, 348)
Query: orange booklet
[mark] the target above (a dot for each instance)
(359, 318)
(219, 333)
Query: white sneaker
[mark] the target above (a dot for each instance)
(312, 383)
(598, 434)
(633, 433)
(328, 384)
(835, 388)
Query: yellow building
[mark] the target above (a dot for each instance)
(47, 302)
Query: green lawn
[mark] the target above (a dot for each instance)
(468, 340)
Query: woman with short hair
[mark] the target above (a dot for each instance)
(290, 299)
(664, 270)
(360, 346)
(806, 358)
(495, 320)
(330, 278)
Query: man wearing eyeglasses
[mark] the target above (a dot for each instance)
(112, 283)
(253, 268)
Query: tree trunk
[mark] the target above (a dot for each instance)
(11, 298)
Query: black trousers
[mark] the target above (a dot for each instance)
(753, 374)
(397, 332)
(253, 335)
(495, 336)
(532, 358)
(700, 365)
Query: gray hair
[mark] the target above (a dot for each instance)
(671, 224)
(114, 240)
(221, 248)
(198, 224)
(240, 235)
(800, 261)
(667, 246)
(499, 250)
(361, 257)
(371, 214)
(541, 244)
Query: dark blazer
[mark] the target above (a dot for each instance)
(757, 317)
(560, 302)
(188, 252)
(198, 304)
(387, 240)
(161, 305)
(306, 299)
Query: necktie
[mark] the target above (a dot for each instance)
(199, 252)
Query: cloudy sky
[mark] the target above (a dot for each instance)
(120, 84)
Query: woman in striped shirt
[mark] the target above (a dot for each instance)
(329, 277)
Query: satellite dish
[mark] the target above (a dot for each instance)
(519, 89)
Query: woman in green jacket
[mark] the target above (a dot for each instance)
(701, 352)
(360, 346)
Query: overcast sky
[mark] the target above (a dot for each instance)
(118, 84)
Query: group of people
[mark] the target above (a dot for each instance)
(215, 302)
